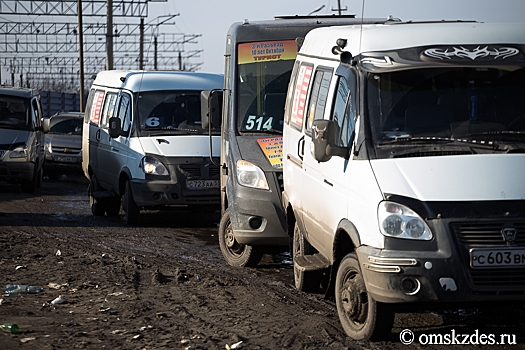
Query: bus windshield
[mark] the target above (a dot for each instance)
(262, 84)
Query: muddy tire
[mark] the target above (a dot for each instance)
(360, 315)
(97, 205)
(306, 281)
(235, 254)
(113, 206)
(30, 186)
(131, 209)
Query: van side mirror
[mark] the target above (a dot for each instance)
(115, 128)
(211, 108)
(46, 125)
(324, 141)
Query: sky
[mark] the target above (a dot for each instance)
(212, 18)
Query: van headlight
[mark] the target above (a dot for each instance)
(396, 220)
(250, 175)
(152, 166)
(19, 152)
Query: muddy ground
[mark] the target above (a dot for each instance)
(164, 285)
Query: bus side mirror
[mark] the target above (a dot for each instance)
(211, 108)
(115, 128)
(324, 141)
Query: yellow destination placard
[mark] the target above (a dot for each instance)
(272, 148)
(267, 51)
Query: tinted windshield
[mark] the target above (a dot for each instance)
(170, 112)
(14, 113)
(264, 72)
(446, 103)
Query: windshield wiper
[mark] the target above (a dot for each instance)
(500, 135)
(168, 132)
(14, 127)
(432, 139)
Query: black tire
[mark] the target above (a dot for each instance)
(97, 205)
(29, 186)
(235, 254)
(131, 209)
(40, 175)
(361, 316)
(306, 281)
(113, 206)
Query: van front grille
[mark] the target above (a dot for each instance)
(200, 171)
(487, 233)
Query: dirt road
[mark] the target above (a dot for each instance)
(164, 285)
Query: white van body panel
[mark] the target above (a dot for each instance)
(182, 146)
(453, 178)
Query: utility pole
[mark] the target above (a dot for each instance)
(109, 35)
(81, 56)
(141, 44)
(339, 9)
(155, 47)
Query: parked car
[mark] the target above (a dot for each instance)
(63, 145)
(21, 137)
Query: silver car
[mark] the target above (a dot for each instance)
(64, 144)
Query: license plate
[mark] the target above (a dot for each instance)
(496, 258)
(201, 184)
(65, 159)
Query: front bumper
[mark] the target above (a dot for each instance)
(16, 171)
(257, 217)
(441, 271)
(161, 193)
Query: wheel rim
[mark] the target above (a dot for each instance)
(354, 299)
(229, 239)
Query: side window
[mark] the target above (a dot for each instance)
(36, 111)
(124, 111)
(318, 96)
(343, 113)
(299, 96)
(88, 105)
(109, 107)
(96, 106)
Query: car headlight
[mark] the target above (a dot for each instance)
(396, 220)
(49, 148)
(19, 152)
(153, 166)
(250, 175)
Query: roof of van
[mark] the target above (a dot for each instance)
(402, 35)
(18, 92)
(137, 80)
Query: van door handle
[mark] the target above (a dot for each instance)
(97, 135)
(300, 148)
(328, 183)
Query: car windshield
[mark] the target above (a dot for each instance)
(262, 85)
(166, 112)
(14, 113)
(451, 103)
(71, 126)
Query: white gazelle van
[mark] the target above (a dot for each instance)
(144, 143)
(404, 163)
